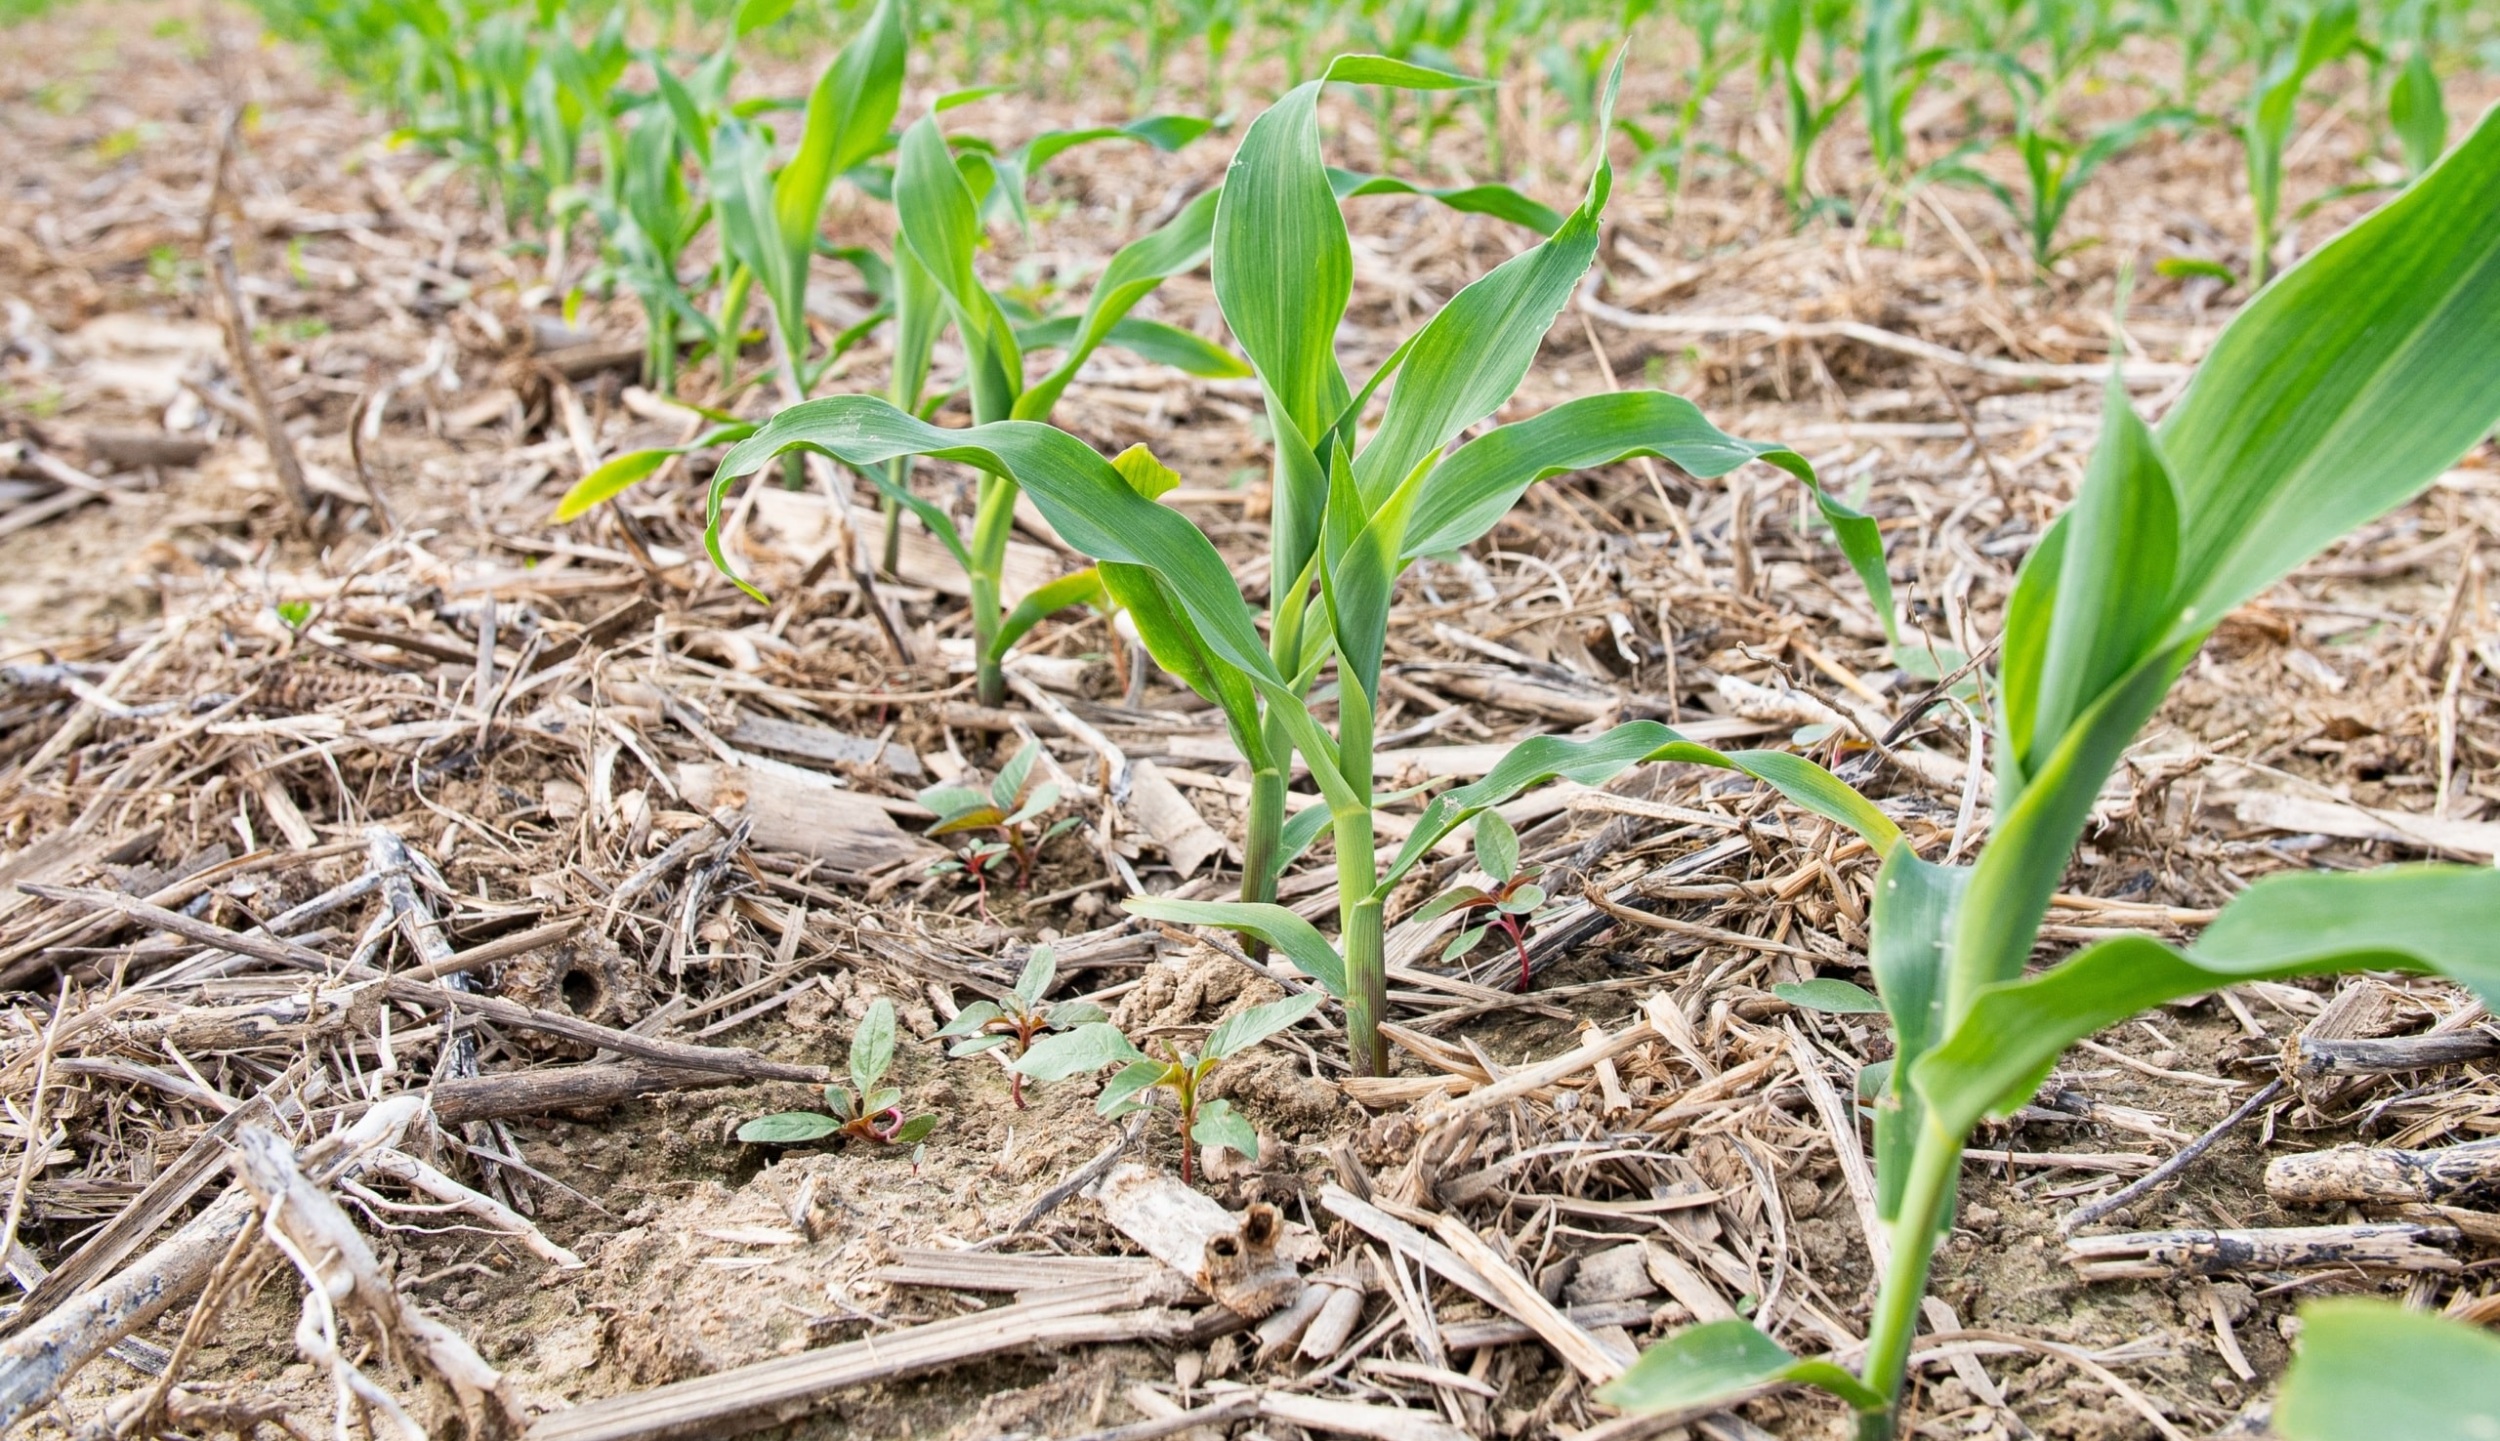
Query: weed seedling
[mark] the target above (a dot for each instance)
(1203, 1122)
(1514, 897)
(869, 1110)
(1013, 1023)
(1007, 810)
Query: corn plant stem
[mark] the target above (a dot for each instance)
(733, 316)
(899, 471)
(1262, 840)
(1935, 1167)
(993, 517)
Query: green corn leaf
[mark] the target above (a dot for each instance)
(1470, 357)
(1278, 927)
(1183, 350)
(1180, 245)
(913, 1131)
(1301, 830)
(1243, 1029)
(1082, 587)
(619, 474)
(1598, 759)
(789, 1128)
(1913, 915)
(1120, 1095)
(2418, 113)
(1146, 475)
(848, 114)
(1499, 201)
(872, 1046)
(2113, 577)
(1163, 132)
(754, 15)
(939, 218)
(1467, 493)
(1069, 1053)
(1283, 269)
(2430, 918)
(1497, 846)
(1722, 1361)
(970, 1020)
(1034, 980)
(1829, 995)
(1218, 1124)
(1076, 490)
(1397, 74)
(742, 205)
(2368, 1368)
(2345, 388)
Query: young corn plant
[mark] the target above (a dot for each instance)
(2326, 34)
(1352, 509)
(869, 1110)
(2343, 390)
(2416, 109)
(1812, 104)
(1204, 1121)
(2055, 168)
(1009, 1026)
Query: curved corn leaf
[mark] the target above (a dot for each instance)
(1163, 132)
(1180, 245)
(1082, 587)
(939, 219)
(1278, 927)
(1471, 489)
(2417, 112)
(1907, 930)
(619, 473)
(1077, 491)
(1241, 1030)
(2368, 1368)
(2345, 388)
(1721, 1361)
(1396, 74)
(1184, 350)
(2430, 918)
(1300, 831)
(1594, 761)
(1499, 201)
(848, 114)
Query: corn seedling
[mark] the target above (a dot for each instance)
(1007, 811)
(1351, 512)
(2055, 169)
(2416, 109)
(1507, 907)
(2369, 1368)
(1008, 1026)
(1812, 105)
(2343, 390)
(867, 1110)
(1204, 1121)
(2326, 34)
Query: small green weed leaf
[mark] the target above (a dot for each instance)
(1524, 899)
(789, 1128)
(970, 1020)
(1070, 1053)
(1446, 902)
(977, 1045)
(838, 1101)
(1497, 846)
(1830, 995)
(1008, 786)
(1243, 1029)
(1297, 938)
(884, 1098)
(2366, 1368)
(1067, 1015)
(1128, 1090)
(1218, 1124)
(1721, 1361)
(1463, 942)
(1034, 980)
(913, 1131)
(872, 1046)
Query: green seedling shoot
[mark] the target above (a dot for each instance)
(867, 1110)
(1507, 907)
(1008, 1026)
(2343, 390)
(1204, 1121)
(1006, 810)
